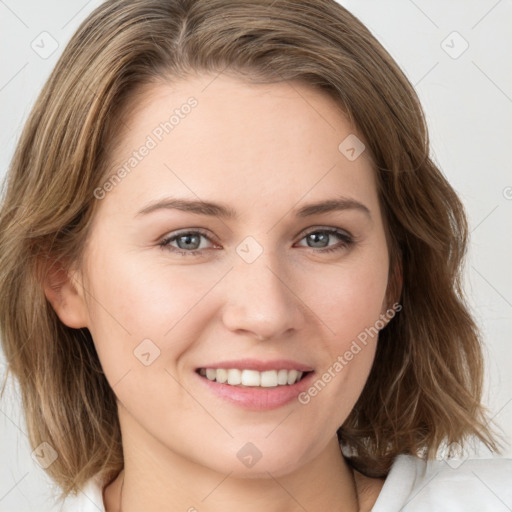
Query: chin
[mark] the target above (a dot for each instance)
(256, 459)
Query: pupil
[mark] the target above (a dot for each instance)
(188, 242)
(319, 237)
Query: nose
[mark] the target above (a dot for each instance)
(261, 300)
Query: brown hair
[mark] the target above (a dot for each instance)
(425, 385)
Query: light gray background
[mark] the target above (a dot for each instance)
(468, 102)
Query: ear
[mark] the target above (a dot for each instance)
(65, 294)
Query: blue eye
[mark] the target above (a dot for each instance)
(322, 236)
(189, 242)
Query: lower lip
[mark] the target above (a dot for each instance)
(258, 398)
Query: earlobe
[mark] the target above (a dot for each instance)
(65, 294)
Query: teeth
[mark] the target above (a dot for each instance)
(269, 379)
(282, 377)
(292, 376)
(252, 378)
(221, 376)
(234, 377)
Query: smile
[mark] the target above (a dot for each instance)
(252, 378)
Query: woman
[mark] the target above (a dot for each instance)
(240, 282)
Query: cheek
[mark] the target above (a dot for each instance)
(349, 298)
(143, 297)
(349, 306)
(144, 317)
(350, 311)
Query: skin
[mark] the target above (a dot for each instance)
(264, 151)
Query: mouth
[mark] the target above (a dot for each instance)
(248, 378)
(256, 385)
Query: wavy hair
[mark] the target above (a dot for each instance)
(425, 386)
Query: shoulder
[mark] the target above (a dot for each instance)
(88, 499)
(416, 485)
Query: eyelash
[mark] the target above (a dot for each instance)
(346, 241)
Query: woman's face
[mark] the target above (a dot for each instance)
(207, 260)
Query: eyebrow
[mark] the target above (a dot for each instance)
(226, 212)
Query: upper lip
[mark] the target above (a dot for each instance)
(260, 365)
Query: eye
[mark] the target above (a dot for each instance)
(188, 242)
(320, 239)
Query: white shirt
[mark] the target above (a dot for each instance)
(412, 485)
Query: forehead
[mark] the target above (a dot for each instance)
(221, 138)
